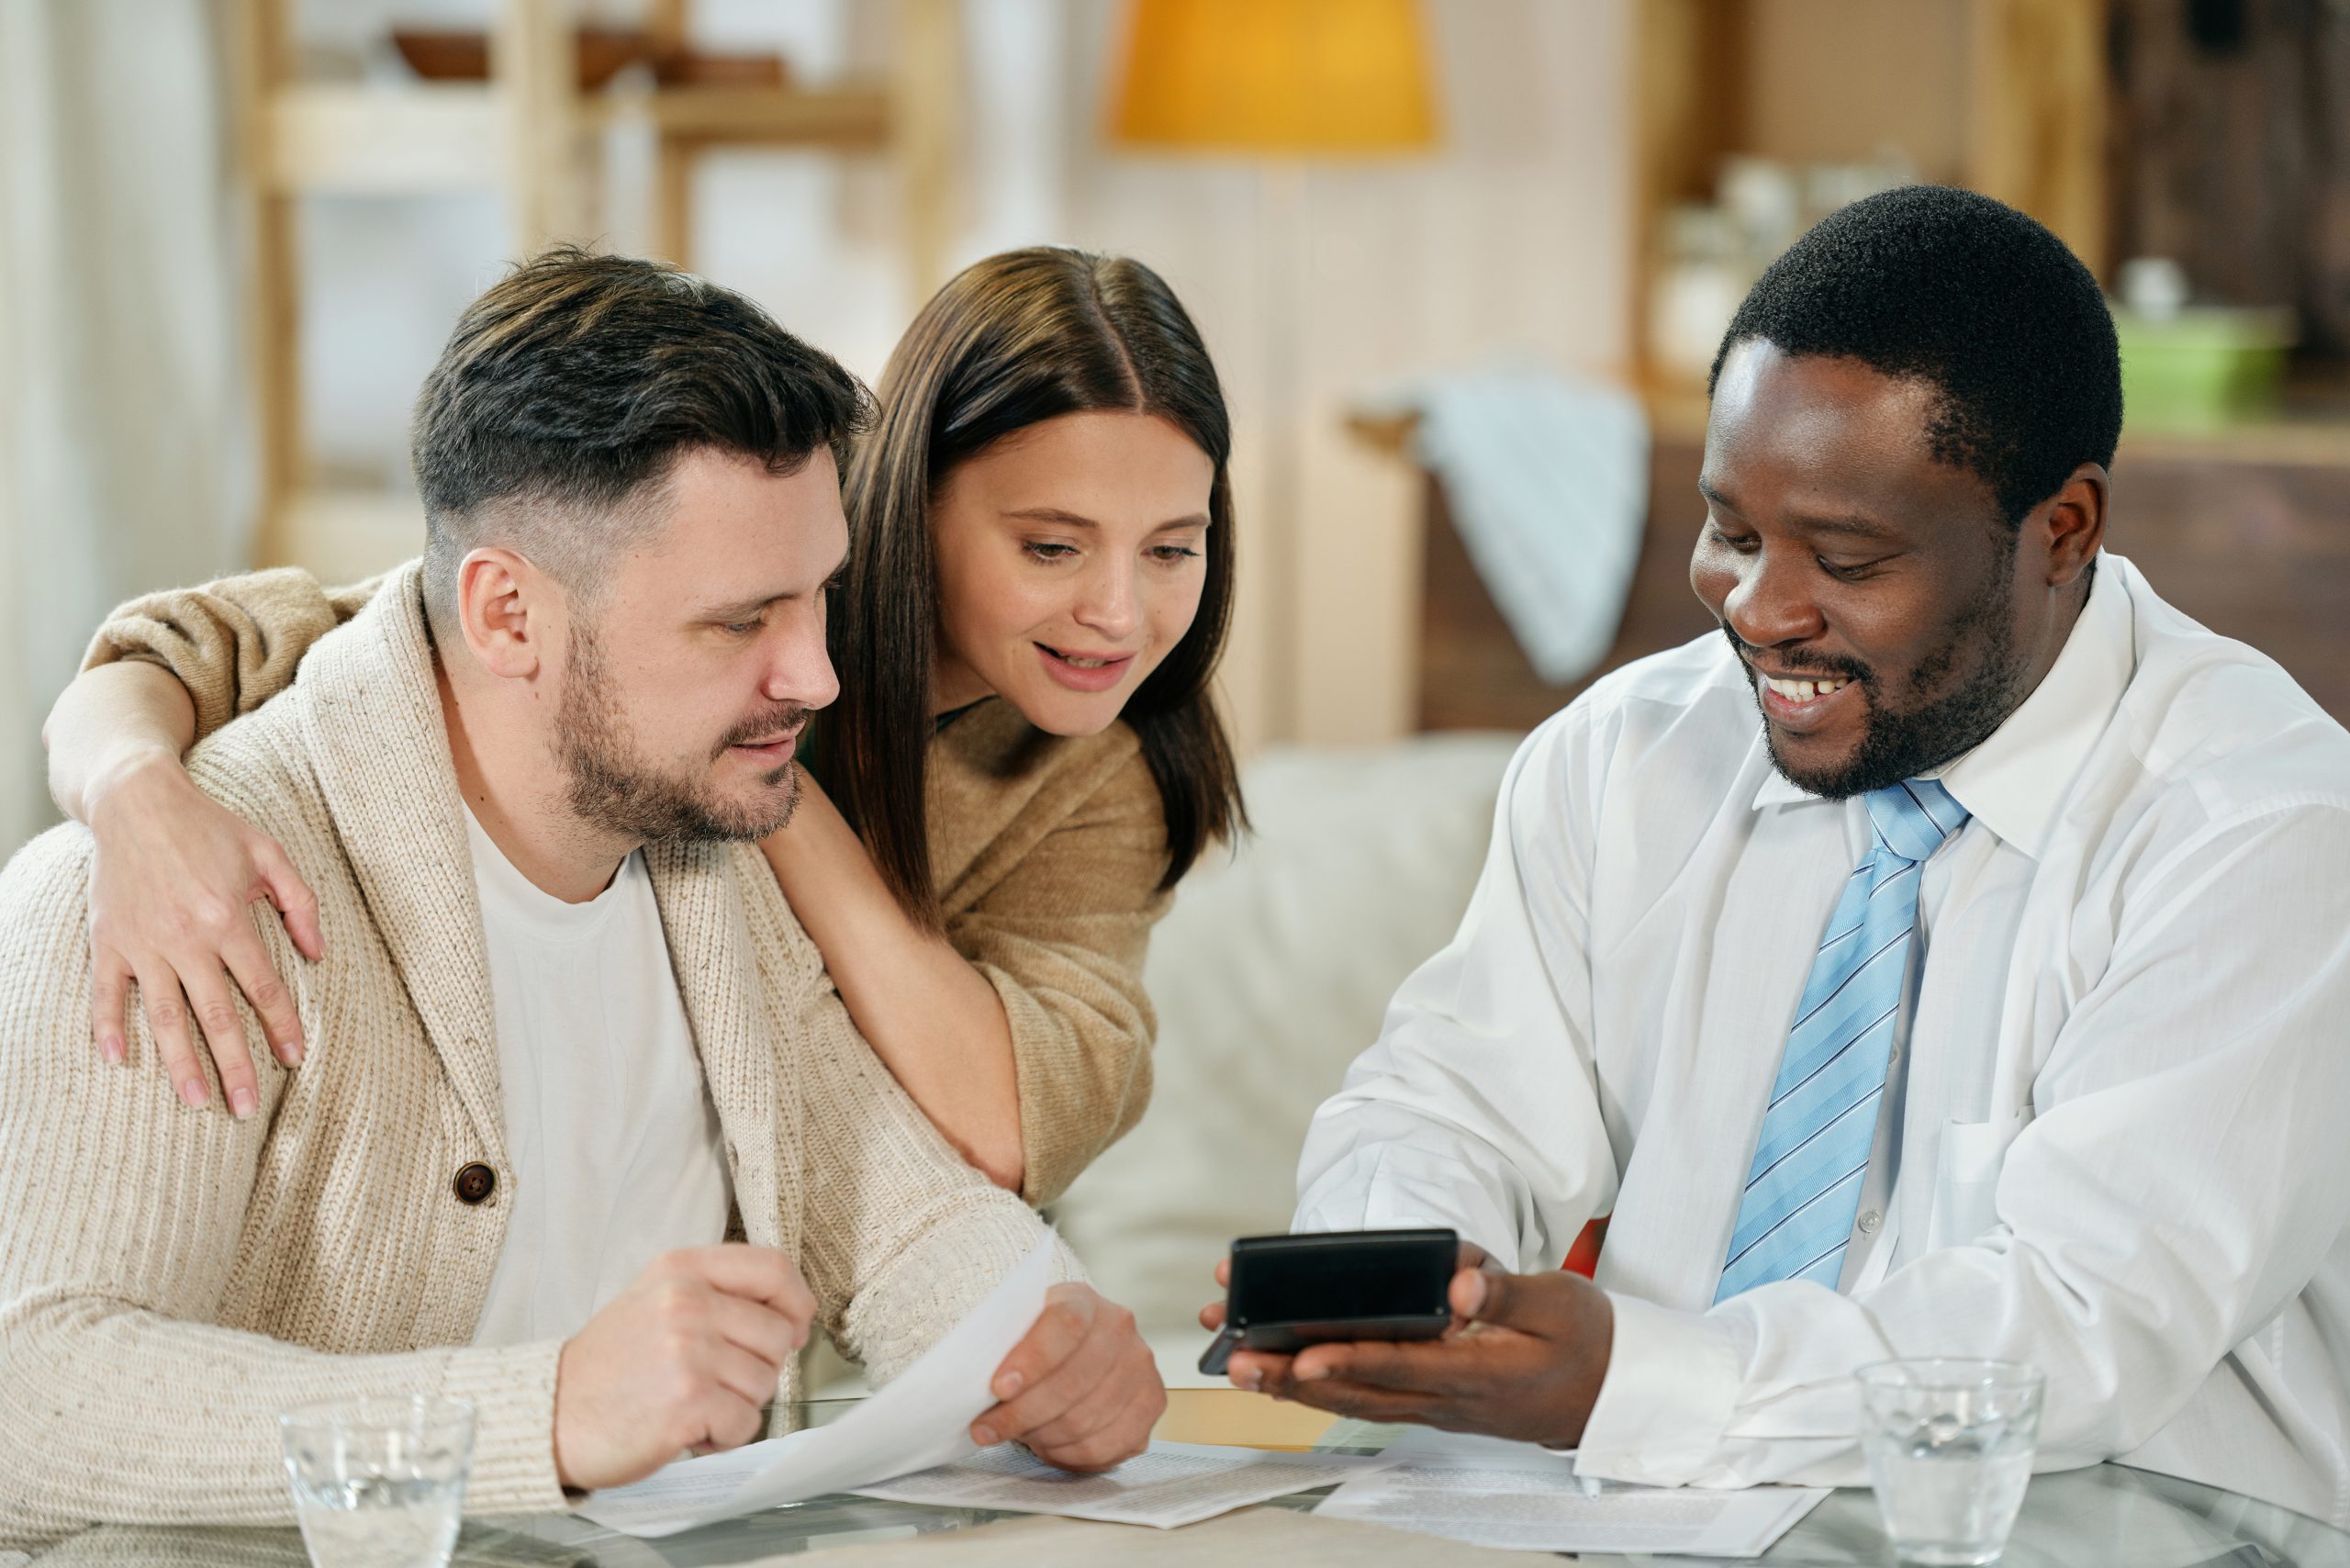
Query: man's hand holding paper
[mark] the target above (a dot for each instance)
(1080, 1389)
(1088, 1394)
(684, 1361)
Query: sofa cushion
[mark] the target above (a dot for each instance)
(1270, 974)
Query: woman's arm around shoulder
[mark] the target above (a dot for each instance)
(233, 644)
(175, 872)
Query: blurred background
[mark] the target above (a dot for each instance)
(1462, 263)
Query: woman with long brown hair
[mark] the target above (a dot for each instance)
(1025, 759)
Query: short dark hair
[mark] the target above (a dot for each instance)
(571, 386)
(1975, 299)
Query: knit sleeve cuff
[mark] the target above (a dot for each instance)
(512, 1390)
(929, 1286)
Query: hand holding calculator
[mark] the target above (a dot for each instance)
(1288, 1292)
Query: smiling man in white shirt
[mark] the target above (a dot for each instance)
(1988, 998)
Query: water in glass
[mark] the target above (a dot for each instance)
(1949, 1446)
(379, 1483)
(378, 1523)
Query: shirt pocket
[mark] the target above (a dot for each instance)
(1966, 1180)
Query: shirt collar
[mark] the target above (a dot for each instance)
(2015, 781)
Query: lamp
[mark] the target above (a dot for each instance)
(1278, 81)
(1305, 78)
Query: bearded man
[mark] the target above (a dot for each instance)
(584, 1135)
(1984, 999)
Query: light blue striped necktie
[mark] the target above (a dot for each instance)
(1803, 1187)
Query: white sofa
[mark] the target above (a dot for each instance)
(1269, 974)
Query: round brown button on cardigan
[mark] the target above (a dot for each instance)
(474, 1183)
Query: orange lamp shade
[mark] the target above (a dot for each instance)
(1306, 77)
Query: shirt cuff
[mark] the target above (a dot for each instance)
(1672, 1382)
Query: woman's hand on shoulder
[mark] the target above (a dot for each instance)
(171, 886)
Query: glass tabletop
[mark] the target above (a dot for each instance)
(2107, 1514)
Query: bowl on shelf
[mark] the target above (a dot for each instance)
(692, 68)
(441, 55)
(2202, 367)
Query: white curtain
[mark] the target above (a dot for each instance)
(125, 449)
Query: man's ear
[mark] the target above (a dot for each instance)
(2071, 524)
(509, 610)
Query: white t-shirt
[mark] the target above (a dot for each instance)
(615, 1148)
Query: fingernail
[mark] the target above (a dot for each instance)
(984, 1436)
(243, 1103)
(195, 1092)
(1249, 1378)
(113, 1052)
(292, 1053)
(1476, 1293)
(1008, 1385)
(1314, 1376)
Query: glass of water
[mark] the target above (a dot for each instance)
(379, 1483)
(1949, 1446)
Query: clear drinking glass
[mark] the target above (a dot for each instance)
(1949, 1446)
(379, 1483)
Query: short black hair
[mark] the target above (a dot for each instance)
(1973, 297)
(571, 386)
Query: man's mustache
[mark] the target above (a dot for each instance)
(768, 727)
(1851, 669)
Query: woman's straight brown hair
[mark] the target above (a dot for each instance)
(1013, 341)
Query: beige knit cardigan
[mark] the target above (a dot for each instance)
(170, 1279)
(1048, 852)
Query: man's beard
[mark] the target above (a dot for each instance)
(607, 784)
(1899, 744)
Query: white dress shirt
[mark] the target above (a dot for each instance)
(2114, 1144)
(616, 1148)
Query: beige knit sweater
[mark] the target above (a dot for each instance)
(170, 1279)
(1048, 852)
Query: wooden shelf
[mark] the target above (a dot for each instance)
(2005, 96)
(332, 139)
(530, 137)
(335, 138)
(845, 119)
(2280, 443)
(1677, 416)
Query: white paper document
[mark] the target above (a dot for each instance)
(1170, 1484)
(1490, 1492)
(921, 1419)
